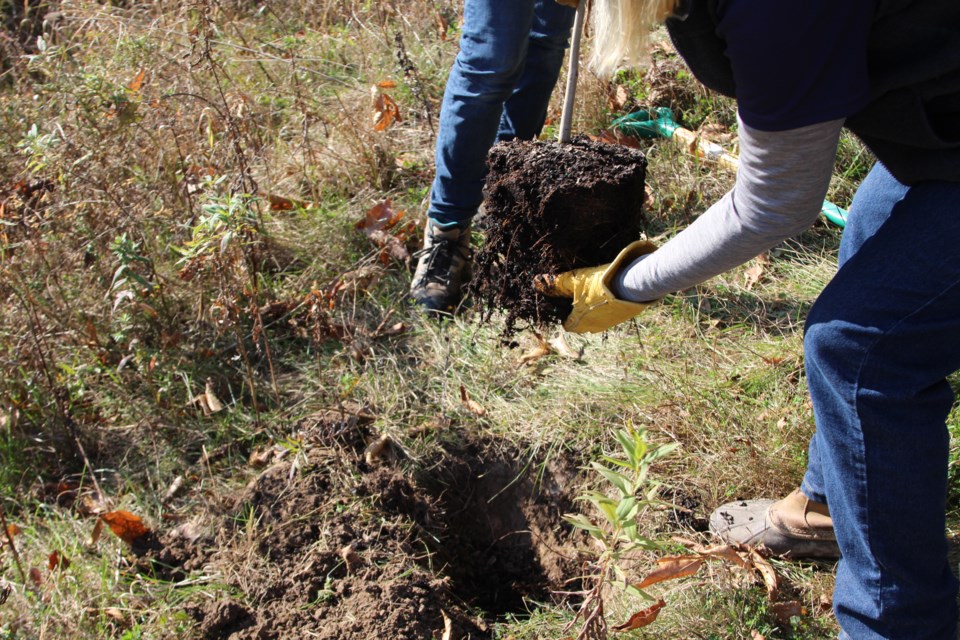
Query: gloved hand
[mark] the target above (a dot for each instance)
(595, 308)
(569, 3)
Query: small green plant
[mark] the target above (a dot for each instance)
(616, 533)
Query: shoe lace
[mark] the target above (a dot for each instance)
(440, 255)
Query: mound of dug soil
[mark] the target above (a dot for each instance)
(326, 546)
(550, 208)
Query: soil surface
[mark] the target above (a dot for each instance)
(324, 544)
(549, 208)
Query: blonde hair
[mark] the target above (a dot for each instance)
(621, 32)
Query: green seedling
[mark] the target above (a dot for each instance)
(616, 531)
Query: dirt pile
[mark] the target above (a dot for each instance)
(323, 545)
(550, 208)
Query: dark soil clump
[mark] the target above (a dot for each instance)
(550, 208)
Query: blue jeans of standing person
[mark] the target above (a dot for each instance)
(879, 343)
(511, 53)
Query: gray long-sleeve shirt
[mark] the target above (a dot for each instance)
(782, 180)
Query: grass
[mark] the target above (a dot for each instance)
(142, 256)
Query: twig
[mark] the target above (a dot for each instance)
(13, 547)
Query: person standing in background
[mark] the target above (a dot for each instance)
(511, 53)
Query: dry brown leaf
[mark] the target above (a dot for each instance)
(279, 203)
(471, 405)
(825, 604)
(607, 136)
(618, 98)
(91, 504)
(173, 490)
(125, 525)
(754, 273)
(563, 348)
(116, 614)
(363, 278)
(442, 26)
(784, 611)
(261, 457)
(378, 220)
(350, 557)
(724, 552)
(57, 561)
(378, 449)
(97, 532)
(391, 245)
(530, 356)
(641, 618)
(12, 531)
(393, 330)
(385, 110)
(380, 216)
(447, 626)
(716, 132)
(137, 82)
(770, 578)
(36, 577)
(756, 635)
(213, 403)
(672, 568)
(648, 199)
(387, 84)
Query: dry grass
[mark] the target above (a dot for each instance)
(142, 255)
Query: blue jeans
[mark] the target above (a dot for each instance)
(511, 53)
(879, 343)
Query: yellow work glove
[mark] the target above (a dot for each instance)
(568, 3)
(595, 308)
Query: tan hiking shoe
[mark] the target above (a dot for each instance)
(443, 268)
(795, 527)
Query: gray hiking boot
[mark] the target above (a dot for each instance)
(442, 270)
(795, 527)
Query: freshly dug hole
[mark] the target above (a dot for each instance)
(324, 545)
(552, 207)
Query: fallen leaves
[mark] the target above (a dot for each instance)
(386, 112)
(641, 618)
(558, 344)
(137, 83)
(378, 449)
(469, 404)
(382, 225)
(125, 525)
(57, 560)
(208, 401)
(541, 349)
(672, 568)
(755, 272)
(743, 556)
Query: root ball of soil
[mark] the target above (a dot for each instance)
(552, 207)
